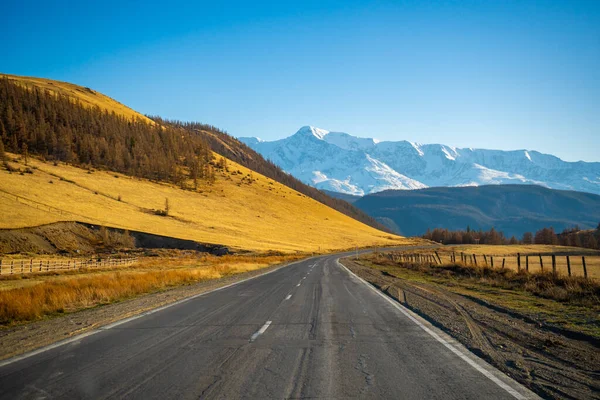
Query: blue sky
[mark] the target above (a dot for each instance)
(492, 74)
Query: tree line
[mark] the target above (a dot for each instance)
(57, 127)
(568, 237)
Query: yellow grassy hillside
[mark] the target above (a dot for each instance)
(86, 96)
(242, 210)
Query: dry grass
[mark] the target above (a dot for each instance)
(86, 96)
(244, 210)
(531, 252)
(575, 289)
(260, 216)
(51, 294)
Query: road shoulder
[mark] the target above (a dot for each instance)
(544, 361)
(19, 340)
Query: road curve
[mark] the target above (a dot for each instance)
(309, 330)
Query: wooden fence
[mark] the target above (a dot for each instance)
(555, 263)
(11, 267)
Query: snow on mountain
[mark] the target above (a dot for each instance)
(344, 163)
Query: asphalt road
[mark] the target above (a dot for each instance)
(309, 330)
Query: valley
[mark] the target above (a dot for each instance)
(171, 226)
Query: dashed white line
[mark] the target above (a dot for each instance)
(297, 285)
(289, 296)
(260, 331)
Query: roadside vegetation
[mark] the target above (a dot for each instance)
(32, 297)
(574, 290)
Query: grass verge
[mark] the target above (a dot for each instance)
(61, 293)
(570, 303)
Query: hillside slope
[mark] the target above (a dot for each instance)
(241, 209)
(513, 209)
(88, 97)
(104, 133)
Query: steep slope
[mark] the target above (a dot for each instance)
(514, 209)
(66, 122)
(88, 97)
(344, 163)
(241, 209)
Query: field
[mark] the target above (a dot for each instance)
(242, 209)
(25, 298)
(529, 254)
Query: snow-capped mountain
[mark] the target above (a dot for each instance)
(344, 163)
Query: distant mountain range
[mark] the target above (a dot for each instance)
(344, 163)
(513, 209)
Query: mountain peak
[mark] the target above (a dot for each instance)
(342, 162)
(311, 130)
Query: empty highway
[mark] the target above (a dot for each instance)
(308, 330)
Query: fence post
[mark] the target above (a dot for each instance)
(527, 263)
(41, 266)
(11, 266)
(438, 256)
(568, 265)
(503, 259)
(485, 259)
(31, 265)
(554, 264)
(519, 262)
(475, 259)
(492, 261)
(541, 263)
(584, 267)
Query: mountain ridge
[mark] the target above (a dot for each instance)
(513, 209)
(340, 162)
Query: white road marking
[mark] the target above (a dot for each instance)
(297, 285)
(472, 363)
(304, 278)
(260, 331)
(289, 296)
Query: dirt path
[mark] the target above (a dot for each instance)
(551, 364)
(23, 338)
